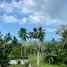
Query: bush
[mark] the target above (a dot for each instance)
(24, 57)
(62, 65)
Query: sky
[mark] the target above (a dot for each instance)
(49, 14)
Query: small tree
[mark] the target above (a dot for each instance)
(4, 50)
(49, 54)
(15, 53)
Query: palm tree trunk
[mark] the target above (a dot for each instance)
(38, 59)
(49, 61)
(21, 51)
(40, 47)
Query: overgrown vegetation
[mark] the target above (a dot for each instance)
(37, 51)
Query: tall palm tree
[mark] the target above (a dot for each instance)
(4, 49)
(63, 33)
(41, 34)
(34, 33)
(6, 40)
(23, 35)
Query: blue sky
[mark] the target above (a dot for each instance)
(49, 14)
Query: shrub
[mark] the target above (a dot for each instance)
(62, 65)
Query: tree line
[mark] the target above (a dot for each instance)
(52, 52)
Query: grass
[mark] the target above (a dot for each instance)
(15, 65)
(42, 64)
(32, 61)
(47, 65)
(34, 65)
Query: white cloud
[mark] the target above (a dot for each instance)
(15, 4)
(23, 20)
(7, 8)
(50, 12)
(9, 19)
(12, 19)
(34, 19)
(47, 12)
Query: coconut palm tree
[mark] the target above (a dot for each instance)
(35, 33)
(41, 34)
(4, 50)
(23, 35)
(63, 33)
(7, 38)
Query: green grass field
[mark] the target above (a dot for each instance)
(42, 63)
(32, 61)
(34, 65)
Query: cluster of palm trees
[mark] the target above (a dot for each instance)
(37, 33)
(4, 48)
(52, 52)
(7, 42)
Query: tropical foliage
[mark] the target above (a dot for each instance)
(53, 52)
